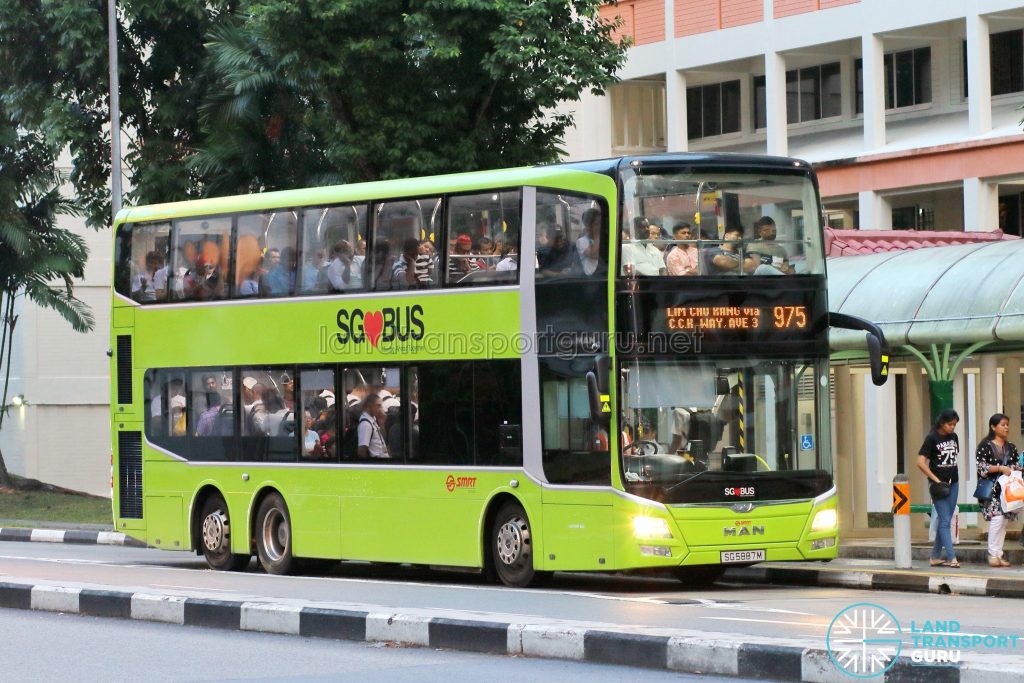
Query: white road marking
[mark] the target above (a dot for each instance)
(193, 588)
(769, 621)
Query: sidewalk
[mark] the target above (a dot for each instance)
(868, 563)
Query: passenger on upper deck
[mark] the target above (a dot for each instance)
(682, 259)
(403, 272)
(144, 284)
(281, 276)
(343, 273)
(250, 284)
(426, 264)
(725, 258)
(461, 260)
(645, 257)
(559, 258)
(588, 245)
(509, 259)
(764, 255)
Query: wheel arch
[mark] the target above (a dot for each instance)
(487, 522)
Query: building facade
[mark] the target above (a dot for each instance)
(911, 111)
(61, 433)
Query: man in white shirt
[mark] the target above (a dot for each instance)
(645, 257)
(344, 273)
(370, 438)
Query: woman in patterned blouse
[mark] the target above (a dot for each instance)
(996, 456)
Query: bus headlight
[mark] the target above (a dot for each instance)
(825, 520)
(650, 527)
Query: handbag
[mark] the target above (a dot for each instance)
(983, 491)
(939, 489)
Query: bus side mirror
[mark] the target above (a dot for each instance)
(878, 348)
(878, 354)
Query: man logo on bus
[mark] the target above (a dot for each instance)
(388, 324)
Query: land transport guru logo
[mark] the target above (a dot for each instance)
(387, 325)
(866, 640)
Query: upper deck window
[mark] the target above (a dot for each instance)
(682, 221)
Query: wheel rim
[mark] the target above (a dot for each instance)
(512, 536)
(215, 531)
(276, 535)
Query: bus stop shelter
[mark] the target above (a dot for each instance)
(954, 320)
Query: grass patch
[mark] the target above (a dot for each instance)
(36, 502)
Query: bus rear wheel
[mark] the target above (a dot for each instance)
(215, 537)
(274, 535)
(700, 576)
(512, 548)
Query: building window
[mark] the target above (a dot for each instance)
(812, 93)
(638, 117)
(908, 79)
(1007, 60)
(713, 109)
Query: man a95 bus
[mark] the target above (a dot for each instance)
(566, 411)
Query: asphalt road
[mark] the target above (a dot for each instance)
(801, 613)
(42, 646)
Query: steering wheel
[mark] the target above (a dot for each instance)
(644, 447)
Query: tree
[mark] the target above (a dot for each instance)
(287, 93)
(371, 89)
(34, 252)
(55, 80)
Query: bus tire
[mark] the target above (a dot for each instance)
(215, 537)
(274, 535)
(700, 576)
(512, 547)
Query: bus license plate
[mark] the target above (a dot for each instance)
(733, 556)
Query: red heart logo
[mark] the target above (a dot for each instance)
(373, 325)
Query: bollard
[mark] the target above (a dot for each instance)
(901, 521)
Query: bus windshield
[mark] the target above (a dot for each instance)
(693, 430)
(720, 223)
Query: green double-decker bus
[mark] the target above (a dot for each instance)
(599, 366)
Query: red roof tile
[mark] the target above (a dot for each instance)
(855, 242)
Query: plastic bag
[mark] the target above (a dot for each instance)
(1012, 496)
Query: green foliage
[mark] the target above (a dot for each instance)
(228, 96)
(392, 88)
(34, 252)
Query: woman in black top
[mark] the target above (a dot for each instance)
(937, 459)
(996, 456)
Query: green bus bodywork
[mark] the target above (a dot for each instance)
(429, 515)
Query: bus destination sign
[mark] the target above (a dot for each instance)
(705, 318)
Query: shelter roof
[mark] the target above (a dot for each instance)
(959, 294)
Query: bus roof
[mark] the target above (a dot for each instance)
(458, 182)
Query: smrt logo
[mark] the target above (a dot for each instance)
(387, 325)
(452, 483)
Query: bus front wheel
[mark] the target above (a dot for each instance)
(215, 537)
(512, 547)
(274, 535)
